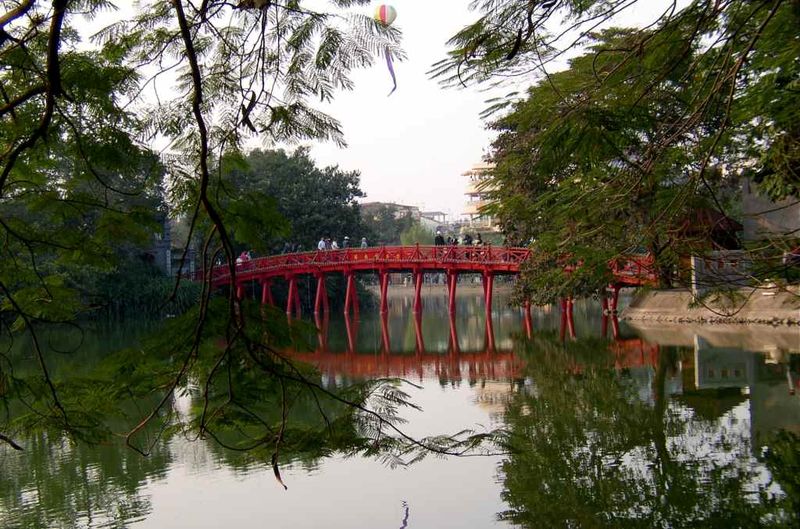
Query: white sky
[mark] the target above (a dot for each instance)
(413, 146)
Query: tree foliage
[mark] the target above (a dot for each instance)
(386, 224)
(648, 127)
(314, 201)
(77, 183)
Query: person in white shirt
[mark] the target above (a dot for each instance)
(321, 243)
(334, 245)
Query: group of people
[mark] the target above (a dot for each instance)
(326, 243)
(466, 240)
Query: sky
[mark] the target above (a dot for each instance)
(413, 146)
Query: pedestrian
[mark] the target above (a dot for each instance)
(438, 240)
(478, 240)
(321, 244)
(346, 242)
(334, 245)
(364, 242)
(287, 247)
(328, 243)
(467, 239)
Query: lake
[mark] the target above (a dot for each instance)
(603, 424)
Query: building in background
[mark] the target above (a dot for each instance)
(478, 194)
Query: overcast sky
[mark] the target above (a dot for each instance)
(411, 147)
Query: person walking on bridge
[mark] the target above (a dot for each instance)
(321, 243)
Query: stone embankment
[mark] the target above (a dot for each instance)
(746, 306)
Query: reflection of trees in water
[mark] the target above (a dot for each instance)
(589, 451)
(56, 483)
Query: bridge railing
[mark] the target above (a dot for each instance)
(379, 256)
(634, 269)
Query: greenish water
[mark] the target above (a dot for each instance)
(653, 427)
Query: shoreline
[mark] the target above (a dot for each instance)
(745, 307)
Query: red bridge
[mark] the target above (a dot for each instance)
(488, 261)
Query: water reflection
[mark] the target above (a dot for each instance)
(608, 425)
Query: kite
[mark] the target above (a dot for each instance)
(385, 15)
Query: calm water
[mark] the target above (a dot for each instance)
(644, 427)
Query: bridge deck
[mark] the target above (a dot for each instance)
(452, 260)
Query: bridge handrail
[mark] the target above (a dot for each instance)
(379, 255)
(633, 269)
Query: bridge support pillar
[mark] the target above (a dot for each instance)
(384, 281)
(452, 282)
(239, 291)
(418, 277)
(614, 298)
(488, 284)
(266, 293)
(351, 294)
(321, 297)
(293, 298)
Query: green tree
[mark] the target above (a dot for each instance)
(416, 234)
(618, 152)
(386, 224)
(72, 118)
(314, 201)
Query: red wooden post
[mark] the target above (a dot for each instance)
(614, 298)
(452, 283)
(318, 303)
(240, 291)
(298, 307)
(352, 333)
(488, 281)
(326, 308)
(418, 277)
(348, 292)
(604, 325)
(384, 280)
(290, 297)
(266, 293)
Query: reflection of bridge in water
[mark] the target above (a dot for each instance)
(487, 363)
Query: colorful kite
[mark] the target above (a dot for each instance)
(385, 15)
